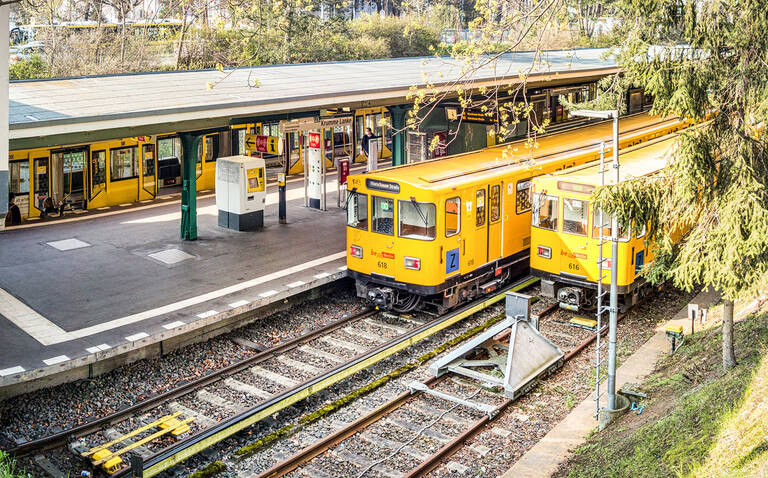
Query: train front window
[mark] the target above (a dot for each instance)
(452, 217)
(357, 211)
(575, 216)
(417, 220)
(607, 219)
(545, 211)
(383, 215)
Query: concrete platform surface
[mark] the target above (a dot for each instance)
(75, 292)
(545, 457)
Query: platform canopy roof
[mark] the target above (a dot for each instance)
(75, 110)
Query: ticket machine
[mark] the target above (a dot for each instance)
(241, 192)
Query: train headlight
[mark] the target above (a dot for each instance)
(544, 252)
(356, 251)
(413, 263)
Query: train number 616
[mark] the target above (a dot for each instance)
(574, 266)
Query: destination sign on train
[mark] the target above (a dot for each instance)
(262, 144)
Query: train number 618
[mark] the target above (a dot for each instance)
(382, 264)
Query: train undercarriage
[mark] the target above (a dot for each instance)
(387, 294)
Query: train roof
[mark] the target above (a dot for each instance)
(455, 171)
(642, 160)
(45, 112)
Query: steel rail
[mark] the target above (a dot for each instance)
(307, 454)
(190, 446)
(433, 461)
(320, 446)
(51, 441)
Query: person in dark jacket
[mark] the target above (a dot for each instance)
(13, 217)
(366, 140)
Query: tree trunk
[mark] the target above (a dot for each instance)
(123, 13)
(729, 358)
(182, 34)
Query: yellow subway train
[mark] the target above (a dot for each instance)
(441, 232)
(566, 231)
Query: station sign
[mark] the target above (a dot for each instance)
(309, 124)
(262, 144)
(469, 115)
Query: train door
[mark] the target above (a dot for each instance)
(481, 227)
(372, 118)
(293, 154)
(454, 246)
(148, 172)
(68, 182)
(42, 183)
(494, 221)
(19, 185)
(168, 161)
(97, 196)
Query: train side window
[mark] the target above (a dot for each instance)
(211, 147)
(357, 211)
(480, 211)
(452, 217)
(417, 220)
(623, 232)
(383, 215)
(523, 196)
(545, 211)
(495, 200)
(123, 163)
(575, 216)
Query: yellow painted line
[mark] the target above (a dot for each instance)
(327, 382)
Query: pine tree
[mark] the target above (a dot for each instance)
(707, 61)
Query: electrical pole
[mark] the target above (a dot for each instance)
(614, 292)
(614, 297)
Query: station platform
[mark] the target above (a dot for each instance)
(83, 294)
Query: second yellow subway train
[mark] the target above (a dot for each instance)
(566, 231)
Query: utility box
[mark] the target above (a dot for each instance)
(241, 192)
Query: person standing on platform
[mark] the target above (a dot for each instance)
(370, 148)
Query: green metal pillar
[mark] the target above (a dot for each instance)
(189, 145)
(397, 113)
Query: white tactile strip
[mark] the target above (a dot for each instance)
(68, 244)
(296, 284)
(12, 370)
(322, 275)
(171, 256)
(173, 325)
(268, 293)
(207, 313)
(135, 337)
(239, 303)
(55, 360)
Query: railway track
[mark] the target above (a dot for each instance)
(240, 395)
(411, 434)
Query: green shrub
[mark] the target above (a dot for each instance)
(33, 68)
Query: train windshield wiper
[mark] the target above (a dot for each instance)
(350, 193)
(418, 209)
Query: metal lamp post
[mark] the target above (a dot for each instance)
(614, 296)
